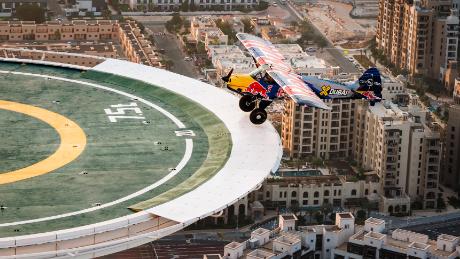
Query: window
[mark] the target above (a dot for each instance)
(281, 194)
(316, 195)
(305, 202)
(326, 193)
(366, 192)
(353, 192)
(267, 194)
(305, 194)
(315, 202)
(294, 194)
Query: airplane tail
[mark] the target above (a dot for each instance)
(370, 81)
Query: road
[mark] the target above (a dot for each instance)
(172, 51)
(340, 60)
(451, 227)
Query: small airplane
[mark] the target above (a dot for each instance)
(274, 78)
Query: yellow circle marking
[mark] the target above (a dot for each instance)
(73, 142)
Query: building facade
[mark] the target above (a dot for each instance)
(308, 131)
(78, 30)
(404, 150)
(420, 36)
(451, 172)
(170, 5)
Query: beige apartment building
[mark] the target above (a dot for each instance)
(307, 131)
(451, 173)
(136, 47)
(419, 35)
(79, 30)
(403, 148)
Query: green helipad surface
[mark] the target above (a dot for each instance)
(121, 157)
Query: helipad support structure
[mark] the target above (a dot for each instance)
(255, 152)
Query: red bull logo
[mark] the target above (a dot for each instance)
(369, 95)
(256, 88)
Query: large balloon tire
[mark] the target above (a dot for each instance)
(258, 116)
(247, 103)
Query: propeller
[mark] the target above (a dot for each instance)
(227, 77)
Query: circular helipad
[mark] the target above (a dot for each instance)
(98, 160)
(83, 147)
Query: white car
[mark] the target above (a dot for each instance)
(188, 59)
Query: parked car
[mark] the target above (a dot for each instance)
(188, 59)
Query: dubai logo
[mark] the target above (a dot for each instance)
(325, 90)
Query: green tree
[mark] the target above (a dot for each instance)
(192, 6)
(361, 214)
(107, 14)
(441, 203)
(321, 42)
(227, 29)
(294, 24)
(175, 24)
(326, 208)
(317, 162)
(30, 12)
(184, 7)
(248, 27)
(319, 217)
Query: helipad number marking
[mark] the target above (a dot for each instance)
(121, 109)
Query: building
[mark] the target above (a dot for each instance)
(78, 30)
(307, 131)
(343, 240)
(8, 7)
(203, 29)
(371, 242)
(418, 35)
(171, 5)
(226, 57)
(136, 47)
(305, 190)
(86, 7)
(403, 148)
(106, 50)
(451, 173)
(74, 59)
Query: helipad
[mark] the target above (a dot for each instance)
(97, 160)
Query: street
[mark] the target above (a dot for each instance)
(340, 60)
(170, 44)
(451, 227)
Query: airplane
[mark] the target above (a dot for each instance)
(274, 78)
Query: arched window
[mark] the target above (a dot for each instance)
(366, 192)
(316, 194)
(285, 194)
(281, 194)
(293, 194)
(305, 194)
(267, 194)
(326, 192)
(353, 192)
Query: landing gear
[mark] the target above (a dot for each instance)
(258, 116)
(247, 103)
